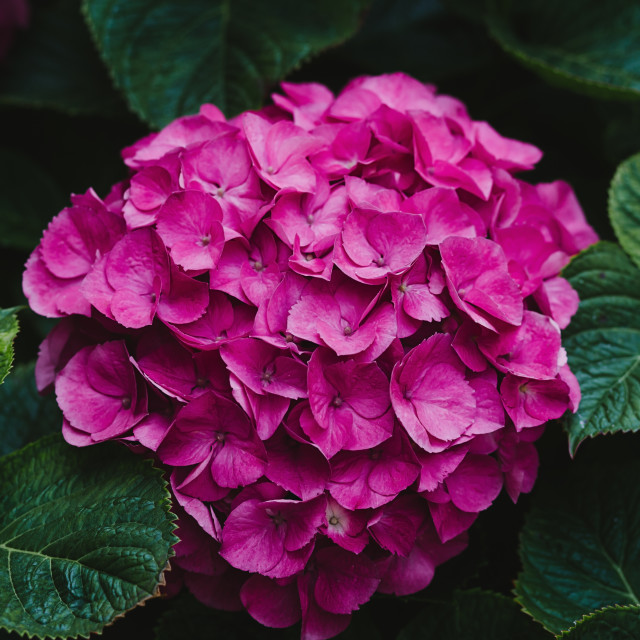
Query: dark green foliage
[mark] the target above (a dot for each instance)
(86, 535)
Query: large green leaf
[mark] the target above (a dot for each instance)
(603, 342)
(8, 332)
(170, 56)
(612, 623)
(85, 536)
(587, 45)
(580, 544)
(473, 615)
(55, 65)
(28, 199)
(624, 206)
(25, 415)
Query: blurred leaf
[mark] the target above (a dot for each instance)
(624, 206)
(620, 129)
(584, 45)
(580, 544)
(28, 199)
(55, 65)
(420, 38)
(473, 615)
(8, 332)
(603, 342)
(86, 535)
(25, 415)
(169, 56)
(612, 623)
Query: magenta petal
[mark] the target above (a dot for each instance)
(504, 152)
(265, 369)
(363, 480)
(557, 298)
(189, 224)
(211, 423)
(444, 215)
(413, 573)
(296, 466)
(274, 538)
(220, 591)
(185, 300)
(532, 350)
(479, 281)
(79, 235)
(98, 393)
(435, 467)
(317, 624)
(450, 521)
(345, 580)
(396, 524)
(345, 527)
(350, 402)
(430, 395)
(519, 461)
(475, 483)
(530, 403)
(51, 296)
(270, 603)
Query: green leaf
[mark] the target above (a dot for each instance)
(624, 206)
(474, 614)
(603, 342)
(580, 544)
(585, 45)
(55, 65)
(170, 56)
(612, 623)
(25, 415)
(85, 536)
(420, 38)
(28, 199)
(8, 332)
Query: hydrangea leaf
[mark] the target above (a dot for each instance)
(8, 332)
(219, 51)
(477, 614)
(584, 45)
(612, 623)
(55, 65)
(25, 415)
(580, 544)
(86, 535)
(603, 342)
(28, 196)
(624, 206)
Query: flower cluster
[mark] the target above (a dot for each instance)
(336, 321)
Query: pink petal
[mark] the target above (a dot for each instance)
(475, 483)
(189, 224)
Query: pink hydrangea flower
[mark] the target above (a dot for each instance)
(337, 324)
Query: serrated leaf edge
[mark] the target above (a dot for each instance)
(615, 182)
(497, 30)
(135, 108)
(165, 502)
(592, 614)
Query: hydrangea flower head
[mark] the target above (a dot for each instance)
(336, 322)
